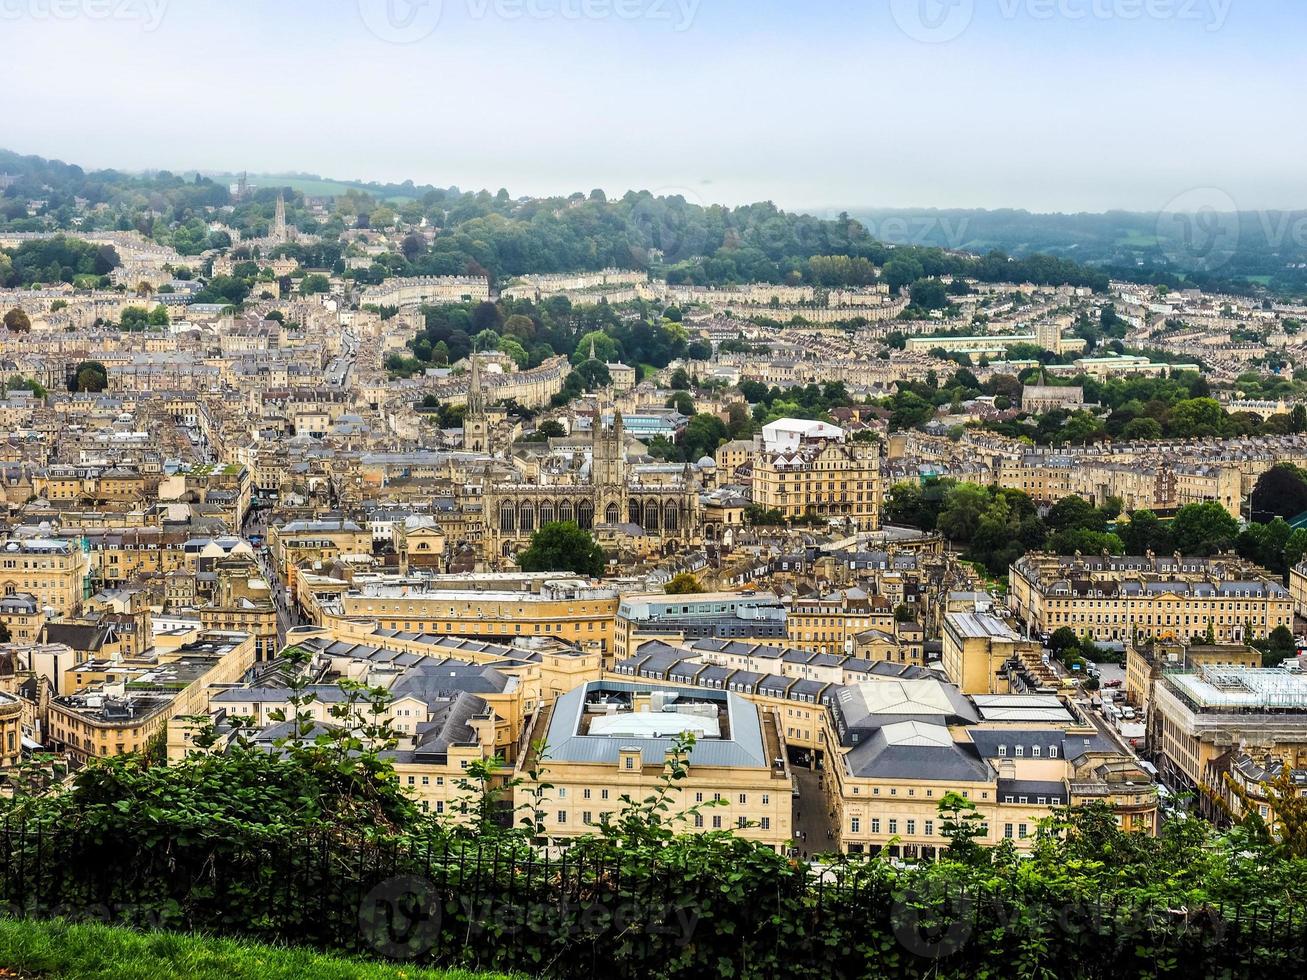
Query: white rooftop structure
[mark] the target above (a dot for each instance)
(918, 733)
(786, 435)
(1022, 707)
(1243, 687)
(903, 697)
(654, 724)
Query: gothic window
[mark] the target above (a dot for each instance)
(585, 515)
(507, 518)
(612, 515)
(671, 518)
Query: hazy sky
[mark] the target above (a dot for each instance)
(1041, 104)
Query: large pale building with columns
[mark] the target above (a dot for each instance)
(1166, 598)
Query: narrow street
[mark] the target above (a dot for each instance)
(813, 828)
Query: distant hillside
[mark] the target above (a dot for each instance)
(1224, 250)
(502, 236)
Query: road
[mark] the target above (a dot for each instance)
(340, 368)
(256, 525)
(811, 818)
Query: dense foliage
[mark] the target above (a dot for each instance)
(563, 547)
(56, 260)
(318, 846)
(996, 526)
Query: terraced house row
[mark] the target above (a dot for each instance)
(1121, 598)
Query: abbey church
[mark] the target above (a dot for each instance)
(591, 480)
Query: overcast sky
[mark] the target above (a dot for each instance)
(1042, 104)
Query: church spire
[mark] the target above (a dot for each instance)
(476, 402)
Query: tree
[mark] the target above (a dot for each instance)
(904, 613)
(680, 380)
(1144, 533)
(519, 326)
(961, 825)
(1203, 529)
(682, 402)
(1280, 492)
(1197, 417)
(964, 506)
(703, 435)
(1142, 429)
(1280, 646)
(605, 348)
(563, 547)
(592, 375)
(17, 321)
(909, 410)
(90, 376)
(929, 294)
(1286, 834)
(683, 584)
(316, 283)
(1075, 513)
(551, 429)
(698, 350)
(1063, 639)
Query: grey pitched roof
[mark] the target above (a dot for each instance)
(885, 757)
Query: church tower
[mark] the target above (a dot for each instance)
(280, 235)
(608, 473)
(476, 424)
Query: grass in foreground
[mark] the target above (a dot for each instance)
(59, 949)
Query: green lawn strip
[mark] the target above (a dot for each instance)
(60, 949)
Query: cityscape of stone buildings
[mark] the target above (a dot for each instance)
(256, 481)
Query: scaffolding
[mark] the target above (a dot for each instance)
(1228, 686)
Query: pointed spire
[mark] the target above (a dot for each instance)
(592, 349)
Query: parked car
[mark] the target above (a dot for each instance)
(1115, 683)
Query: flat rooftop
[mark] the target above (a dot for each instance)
(1268, 688)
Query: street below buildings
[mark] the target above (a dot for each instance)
(814, 829)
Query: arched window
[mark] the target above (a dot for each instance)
(527, 517)
(650, 516)
(546, 513)
(612, 515)
(507, 518)
(565, 512)
(671, 518)
(633, 512)
(585, 515)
